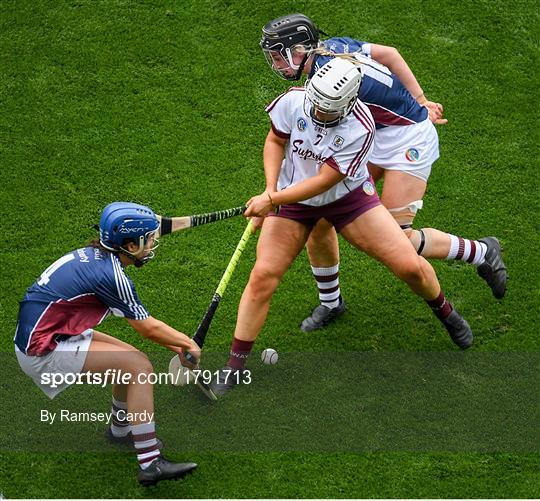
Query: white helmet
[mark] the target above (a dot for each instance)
(332, 91)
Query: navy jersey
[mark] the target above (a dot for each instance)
(388, 100)
(75, 293)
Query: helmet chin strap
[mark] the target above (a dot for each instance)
(331, 123)
(141, 262)
(301, 66)
(298, 74)
(138, 262)
(326, 125)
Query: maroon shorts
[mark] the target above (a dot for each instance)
(339, 213)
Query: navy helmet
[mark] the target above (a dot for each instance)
(283, 38)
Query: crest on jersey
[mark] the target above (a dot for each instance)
(412, 155)
(368, 188)
(301, 124)
(338, 142)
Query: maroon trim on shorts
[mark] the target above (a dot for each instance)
(339, 213)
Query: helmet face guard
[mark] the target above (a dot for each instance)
(282, 60)
(143, 241)
(323, 116)
(287, 39)
(332, 92)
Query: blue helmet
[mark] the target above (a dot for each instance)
(125, 220)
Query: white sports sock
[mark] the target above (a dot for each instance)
(120, 426)
(146, 445)
(328, 284)
(468, 251)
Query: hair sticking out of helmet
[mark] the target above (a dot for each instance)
(125, 222)
(332, 92)
(287, 42)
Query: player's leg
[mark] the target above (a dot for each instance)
(377, 233)
(377, 173)
(402, 195)
(119, 432)
(279, 243)
(104, 355)
(323, 252)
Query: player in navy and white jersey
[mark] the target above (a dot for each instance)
(406, 146)
(387, 98)
(72, 295)
(55, 330)
(317, 152)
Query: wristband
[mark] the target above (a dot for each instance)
(166, 225)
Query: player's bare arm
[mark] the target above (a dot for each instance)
(159, 332)
(393, 60)
(323, 181)
(274, 150)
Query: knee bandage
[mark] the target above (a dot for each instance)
(421, 239)
(405, 215)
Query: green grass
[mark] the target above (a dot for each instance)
(163, 103)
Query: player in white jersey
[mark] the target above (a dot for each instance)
(55, 331)
(326, 136)
(406, 146)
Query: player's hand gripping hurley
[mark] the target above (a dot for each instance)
(200, 334)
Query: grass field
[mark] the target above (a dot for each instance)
(163, 103)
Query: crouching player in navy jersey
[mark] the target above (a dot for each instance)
(316, 154)
(55, 330)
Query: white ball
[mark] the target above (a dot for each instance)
(269, 356)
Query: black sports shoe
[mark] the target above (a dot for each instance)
(162, 469)
(493, 270)
(227, 379)
(321, 316)
(459, 329)
(126, 441)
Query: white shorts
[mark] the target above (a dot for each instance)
(68, 357)
(409, 148)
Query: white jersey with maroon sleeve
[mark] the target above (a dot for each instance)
(345, 147)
